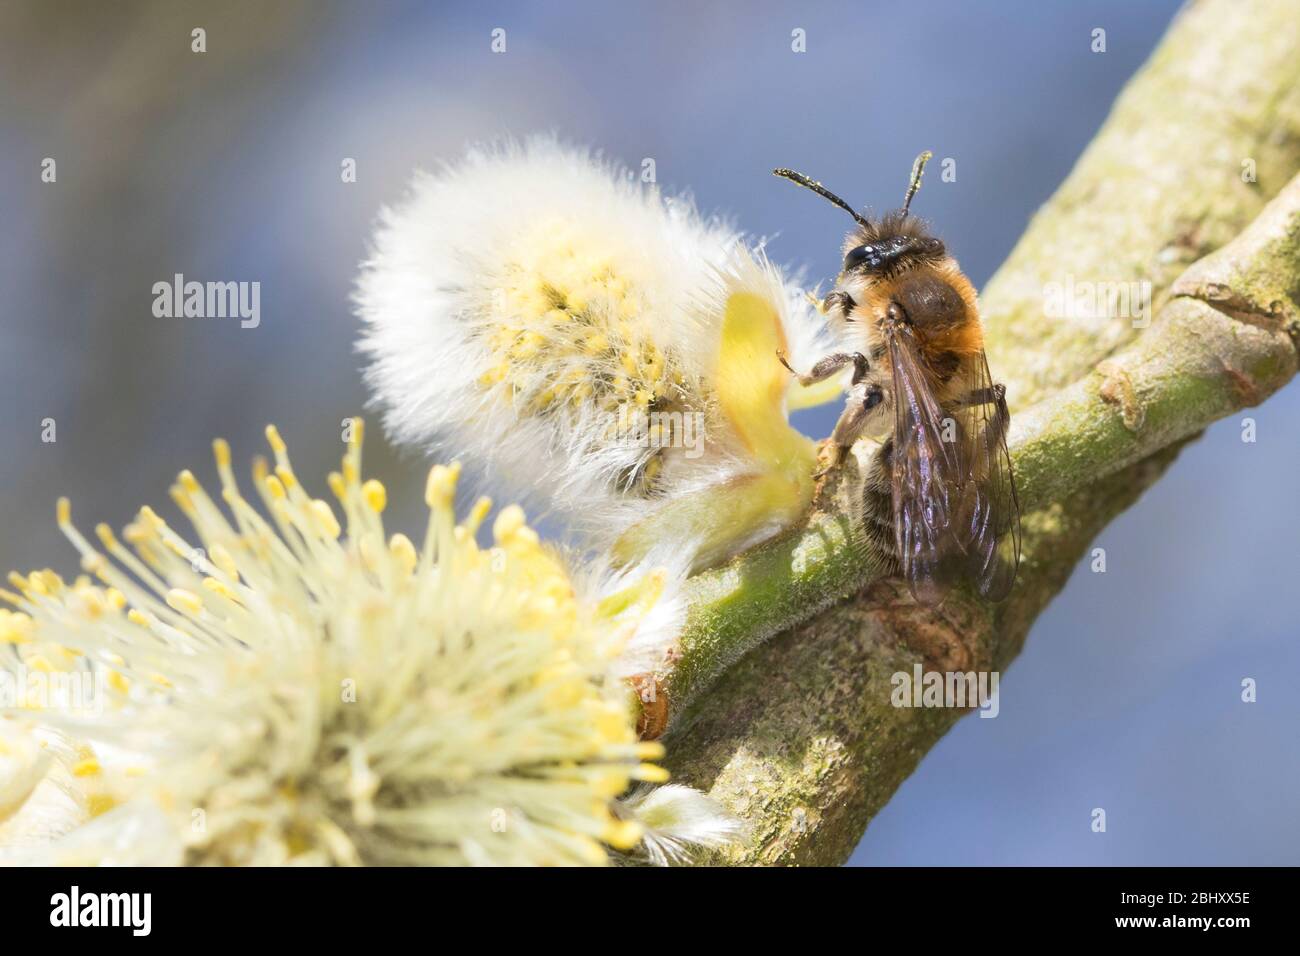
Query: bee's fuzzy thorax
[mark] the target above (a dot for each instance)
(968, 339)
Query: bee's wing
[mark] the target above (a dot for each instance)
(926, 477)
(990, 523)
(987, 515)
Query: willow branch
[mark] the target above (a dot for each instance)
(801, 737)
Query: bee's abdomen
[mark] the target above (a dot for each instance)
(878, 504)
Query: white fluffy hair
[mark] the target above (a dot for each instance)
(681, 824)
(443, 284)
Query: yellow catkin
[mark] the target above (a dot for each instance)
(258, 580)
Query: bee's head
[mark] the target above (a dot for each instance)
(891, 245)
(894, 244)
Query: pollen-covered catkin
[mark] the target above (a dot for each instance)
(593, 344)
(305, 688)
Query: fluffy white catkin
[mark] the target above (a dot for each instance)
(544, 313)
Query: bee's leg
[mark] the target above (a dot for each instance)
(862, 399)
(995, 395)
(838, 300)
(991, 395)
(828, 366)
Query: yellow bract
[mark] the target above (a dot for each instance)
(751, 388)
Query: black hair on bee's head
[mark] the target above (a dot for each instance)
(896, 242)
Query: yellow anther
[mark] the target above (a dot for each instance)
(183, 501)
(187, 602)
(188, 482)
(525, 535)
(138, 617)
(440, 491)
(609, 783)
(221, 452)
(508, 524)
(136, 533)
(650, 773)
(106, 536)
(337, 485)
(623, 834)
(375, 495)
(274, 440)
(89, 767)
(118, 682)
(529, 344)
(650, 750)
(476, 515)
(115, 598)
(325, 519)
(63, 511)
(222, 559)
(99, 803)
(286, 475)
(496, 374)
(219, 589)
(403, 551)
(274, 487)
(151, 518)
(15, 628)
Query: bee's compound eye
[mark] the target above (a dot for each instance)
(874, 398)
(860, 255)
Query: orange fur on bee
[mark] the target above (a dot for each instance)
(965, 338)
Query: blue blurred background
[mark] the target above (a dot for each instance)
(226, 165)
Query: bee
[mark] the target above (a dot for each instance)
(941, 496)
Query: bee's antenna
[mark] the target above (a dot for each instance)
(822, 191)
(918, 167)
